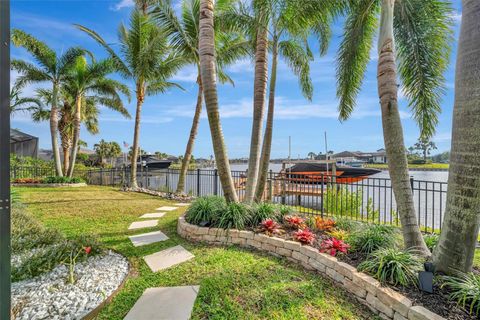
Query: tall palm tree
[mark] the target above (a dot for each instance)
(184, 33)
(89, 81)
(18, 103)
(208, 72)
(458, 240)
(146, 59)
(422, 32)
(50, 67)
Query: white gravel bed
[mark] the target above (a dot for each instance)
(50, 296)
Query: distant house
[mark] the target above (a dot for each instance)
(23, 144)
(379, 156)
(47, 154)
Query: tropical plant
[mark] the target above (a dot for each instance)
(184, 35)
(294, 222)
(146, 59)
(465, 289)
(431, 240)
(22, 104)
(458, 240)
(235, 216)
(304, 236)
(263, 211)
(105, 150)
(332, 246)
(393, 266)
(50, 68)
(270, 227)
(422, 33)
(89, 81)
(324, 224)
(205, 211)
(372, 238)
(208, 77)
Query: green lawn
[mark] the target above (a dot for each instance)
(234, 283)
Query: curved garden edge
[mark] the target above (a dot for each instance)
(50, 185)
(383, 301)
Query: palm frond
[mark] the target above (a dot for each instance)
(45, 56)
(30, 73)
(161, 86)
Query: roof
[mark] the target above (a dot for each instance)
(18, 136)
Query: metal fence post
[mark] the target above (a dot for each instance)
(322, 195)
(198, 183)
(411, 183)
(215, 183)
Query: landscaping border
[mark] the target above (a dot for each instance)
(50, 185)
(385, 302)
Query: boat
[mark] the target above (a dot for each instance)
(315, 173)
(152, 163)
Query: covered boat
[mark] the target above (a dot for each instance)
(152, 162)
(317, 172)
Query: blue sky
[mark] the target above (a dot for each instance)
(167, 118)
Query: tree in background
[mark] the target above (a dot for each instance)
(456, 248)
(311, 155)
(161, 155)
(416, 34)
(146, 59)
(425, 146)
(50, 68)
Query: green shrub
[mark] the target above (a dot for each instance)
(236, 216)
(393, 266)
(372, 238)
(204, 211)
(262, 211)
(431, 240)
(283, 210)
(465, 289)
(56, 179)
(347, 224)
(342, 202)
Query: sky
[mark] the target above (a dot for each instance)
(166, 118)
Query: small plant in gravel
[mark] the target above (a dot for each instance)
(235, 216)
(304, 236)
(393, 266)
(324, 224)
(465, 289)
(270, 227)
(72, 260)
(204, 211)
(431, 240)
(294, 222)
(333, 246)
(372, 238)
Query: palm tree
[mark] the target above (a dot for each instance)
(456, 248)
(102, 149)
(88, 81)
(184, 36)
(22, 104)
(114, 152)
(422, 32)
(50, 67)
(147, 60)
(425, 146)
(208, 72)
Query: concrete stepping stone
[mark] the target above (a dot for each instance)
(143, 224)
(148, 238)
(167, 258)
(167, 208)
(165, 303)
(153, 215)
(182, 204)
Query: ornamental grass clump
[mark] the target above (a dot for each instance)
(304, 236)
(431, 240)
(235, 216)
(465, 290)
(205, 211)
(393, 266)
(261, 212)
(372, 238)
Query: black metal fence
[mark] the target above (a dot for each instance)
(369, 199)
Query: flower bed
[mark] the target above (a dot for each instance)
(383, 301)
(49, 182)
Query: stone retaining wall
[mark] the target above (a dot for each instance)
(51, 185)
(385, 302)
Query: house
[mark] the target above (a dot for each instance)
(379, 156)
(23, 144)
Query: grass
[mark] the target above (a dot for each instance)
(234, 283)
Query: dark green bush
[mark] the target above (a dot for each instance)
(261, 212)
(55, 179)
(393, 266)
(465, 289)
(372, 238)
(204, 211)
(236, 216)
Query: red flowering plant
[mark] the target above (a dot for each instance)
(294, 222)
(74, 254)
(332, 246)
(304, 236)
(270, 227)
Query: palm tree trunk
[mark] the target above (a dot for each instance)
(76, 134)
(456, 248)
(191, 139)
(136, 136)
(393, 133)
(208, 74)
(54, 130)
(259, 95)
(66, 159)
(267, 139)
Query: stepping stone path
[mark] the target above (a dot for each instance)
(166, 303)
(167, 258)
(143, 224)
(148, 238)
(167, 208)
(153, 215)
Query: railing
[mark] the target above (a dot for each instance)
(370, 200)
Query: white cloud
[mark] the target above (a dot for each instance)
(456, 16)
(442, 137)
(144, 120)
(187, 74)
(123, 4)
(241, 66)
